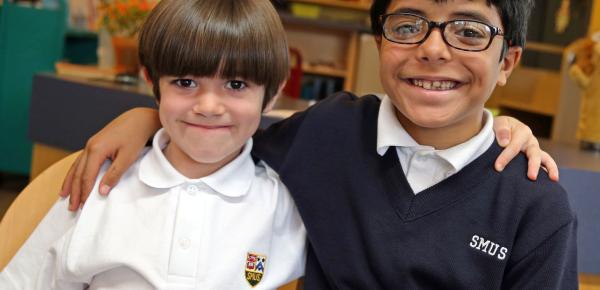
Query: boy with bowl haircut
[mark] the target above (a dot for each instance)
(195, 211)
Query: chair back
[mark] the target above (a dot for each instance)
(30, 206)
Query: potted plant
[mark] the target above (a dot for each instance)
(122, 19)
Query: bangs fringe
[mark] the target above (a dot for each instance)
(216, 42)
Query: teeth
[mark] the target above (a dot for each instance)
(434, 85)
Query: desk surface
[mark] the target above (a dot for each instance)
(570, 156)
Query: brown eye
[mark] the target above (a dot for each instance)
(185, 83)
(236, 85)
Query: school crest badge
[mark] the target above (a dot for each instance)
(255, 268)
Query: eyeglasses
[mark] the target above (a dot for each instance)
(468, 35)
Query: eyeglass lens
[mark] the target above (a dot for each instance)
(461, 34)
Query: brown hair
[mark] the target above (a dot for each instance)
(229, 38)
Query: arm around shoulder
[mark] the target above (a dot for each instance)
(120, 141)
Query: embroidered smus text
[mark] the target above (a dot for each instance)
(488, 247)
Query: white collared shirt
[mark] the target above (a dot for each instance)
(161, 230)
(424, 166)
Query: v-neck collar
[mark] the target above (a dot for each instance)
(409, 206)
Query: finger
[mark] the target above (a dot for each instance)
(90, 173)
(76, 193)
(531, 147)
(68, 185)
(506, 156)
(550, 165)
(511, 149)
(73, 202)
(65, 189)
(534, 158)
(502, 128)
(121, 162)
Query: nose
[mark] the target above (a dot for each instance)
(434, 49)
(208, 104)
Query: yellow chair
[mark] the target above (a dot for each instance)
(30, 206)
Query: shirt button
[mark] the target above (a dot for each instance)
(192, 189)
(185, 243)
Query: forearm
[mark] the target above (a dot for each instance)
(120, 141)
(145, 121)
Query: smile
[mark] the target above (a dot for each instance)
(208, 127)
(437, 85)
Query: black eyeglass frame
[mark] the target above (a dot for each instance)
(495, 31)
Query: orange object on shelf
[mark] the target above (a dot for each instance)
(126, 54)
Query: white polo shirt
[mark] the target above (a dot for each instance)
(424, 166)
(160, 230)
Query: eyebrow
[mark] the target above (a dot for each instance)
(470, 15)
(409, 10)
(467, 15)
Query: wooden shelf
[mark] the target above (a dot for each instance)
(331, 38)
(323, 70)
(544, 47)
(530, 90)
(545, 110)
(356, 4)
(348, 27)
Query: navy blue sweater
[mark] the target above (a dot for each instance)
(478, 229)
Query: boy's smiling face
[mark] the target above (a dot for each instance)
(439, 91)
(209, 119)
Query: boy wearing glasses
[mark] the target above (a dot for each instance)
(408, 198)
(400, 192)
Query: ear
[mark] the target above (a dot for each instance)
(146, 75)
(272, 102)
(378, 41)
(508, 64)
(148, 80)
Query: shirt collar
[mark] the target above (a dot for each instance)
(390, 133)
(233, 179)
(462, 154)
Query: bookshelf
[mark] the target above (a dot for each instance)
(327, 36)
(324, 70)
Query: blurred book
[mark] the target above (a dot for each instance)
(317, 87)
